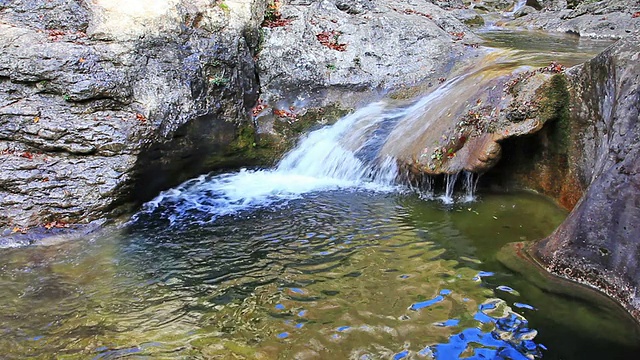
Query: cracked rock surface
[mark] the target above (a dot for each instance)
(104, 103)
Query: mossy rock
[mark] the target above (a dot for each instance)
(554, 106)
(475, 21)
(290, 130)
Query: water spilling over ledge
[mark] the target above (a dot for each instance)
(453, 129)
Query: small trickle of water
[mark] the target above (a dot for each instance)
(470, 184)
(427, 191)
(450, 184)
(421, 185)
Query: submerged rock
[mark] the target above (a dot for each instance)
(525, 10)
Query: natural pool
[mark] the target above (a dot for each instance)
(344, 273)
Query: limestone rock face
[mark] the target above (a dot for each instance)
(613, 19)
(341, 52)
(599, 243)
(104, 103)
(107, 102)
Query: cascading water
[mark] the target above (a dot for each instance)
(332, 153)
(450, 184)
(360, 151)
(517, 6)
(340, 156)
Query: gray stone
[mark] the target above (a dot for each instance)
(599, 243)
(603, 19)
(354, 7)
(386, 46)
(468, 16)
(103, 105)
(525, 10)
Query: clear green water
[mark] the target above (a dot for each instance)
(331, 275)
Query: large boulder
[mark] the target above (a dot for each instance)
(460, 126)
(105, 103)
(599, 243)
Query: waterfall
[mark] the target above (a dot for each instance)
(360, 151)
(341, 156)
(345, 151)
(517, 6)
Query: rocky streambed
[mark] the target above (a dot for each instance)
(104, 105)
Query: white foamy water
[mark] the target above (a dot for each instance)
(360, 151)
(517, 6)
(326, 159)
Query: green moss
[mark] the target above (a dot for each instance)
(245, 138)
(291, 129)
(554, 106)
(247, 149)
(258, 150)
(252, 149)
(218, 81)
(271, 14)
(260, 41)
(572, 4)
(476, 21)
(224, 6)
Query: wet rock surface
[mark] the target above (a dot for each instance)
(102, 104)
(462, 127)
(599, 242)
